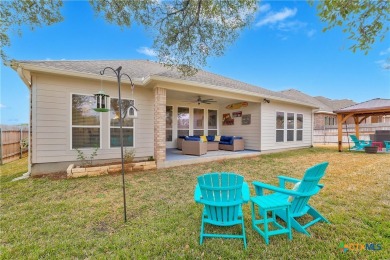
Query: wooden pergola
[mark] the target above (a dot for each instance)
(359, 112)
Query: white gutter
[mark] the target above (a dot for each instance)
(25, 76)
(149, 79)
(29, 67)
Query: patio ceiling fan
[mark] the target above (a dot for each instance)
(200, 100)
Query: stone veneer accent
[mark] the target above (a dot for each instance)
(73, 172)
(160, 100)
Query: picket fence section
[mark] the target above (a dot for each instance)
(13, 143)
(329, 135)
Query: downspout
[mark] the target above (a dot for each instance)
(312, 127)
(27, 79)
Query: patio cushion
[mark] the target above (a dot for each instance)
(222, 142)
(192, 138)
(210, 138)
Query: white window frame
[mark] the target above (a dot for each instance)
(297, 129)
(83, 126)
(293, 130)
(177, 120)
(208, 129)
(118, 127)
(193, 123)
(280, 129)
(172, 124)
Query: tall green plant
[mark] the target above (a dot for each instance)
(84, 160)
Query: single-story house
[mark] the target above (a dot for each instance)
(168, 105)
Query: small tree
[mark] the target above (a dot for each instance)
(84, 160)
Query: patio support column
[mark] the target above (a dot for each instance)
(356, 120)
(340, 131)
(160, 100)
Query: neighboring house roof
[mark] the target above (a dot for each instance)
(306, 98)
(325, 105)
(335, 104)
(370, 105)
(142, 71)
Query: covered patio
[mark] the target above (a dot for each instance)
(360, 112)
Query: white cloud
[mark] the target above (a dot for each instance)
(272, 18)
(290, 26)
(147, 51)
(311, 33)
(264, 8)
(385, 64)
(385, 52)
(2, 106)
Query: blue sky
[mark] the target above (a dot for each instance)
(284, 48)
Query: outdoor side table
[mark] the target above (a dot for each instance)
(379, 144)
(267, 204)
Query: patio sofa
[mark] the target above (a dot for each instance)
(231, 143)
(215, 143)
(193, 146)
(211, 144)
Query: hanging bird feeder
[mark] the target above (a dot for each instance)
(101, 102)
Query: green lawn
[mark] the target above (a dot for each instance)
(83, 218)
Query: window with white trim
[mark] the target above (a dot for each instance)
(198, 121)
(168, 123)
(127, 123)
(212, 122)
(183, 121)
(290, 127)
(85, 122)
(299, 127)
(280, 126)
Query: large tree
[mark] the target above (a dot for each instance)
(364, 21)
(33, 13)
(187, 32)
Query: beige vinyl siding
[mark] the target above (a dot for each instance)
(52, 118)
(268, 125)
(250, 133)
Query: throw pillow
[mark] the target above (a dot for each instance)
(217, 138)
(203, 138)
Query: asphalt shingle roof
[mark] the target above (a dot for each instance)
(335, 104)
(377, 103)
(324, 104)
(142, 69)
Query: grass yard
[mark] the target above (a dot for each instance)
(83, 218)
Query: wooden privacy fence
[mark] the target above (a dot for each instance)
(13, 143)
(329, 134)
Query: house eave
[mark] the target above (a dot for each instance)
(32, 68)
(149, 80)
(258, 97)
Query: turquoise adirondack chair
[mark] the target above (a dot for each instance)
(299, 196)
(387, 145)
(222, 195)
(359, 144)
